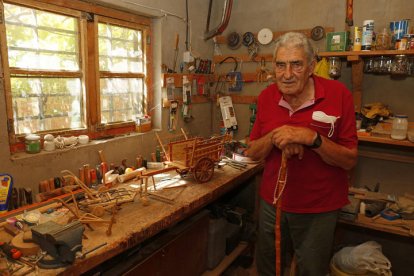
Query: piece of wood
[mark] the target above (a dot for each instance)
(56, 192)
(383, 140)
(11, 229)
(27, 248)
(368, 195)
(227, 261)
(386, 156)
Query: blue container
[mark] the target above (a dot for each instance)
(399, 28)
(6, 186)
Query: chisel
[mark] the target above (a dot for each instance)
(177, 38)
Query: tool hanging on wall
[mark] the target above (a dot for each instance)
(253, 109)
(252, 45)
(172, 122)
(200, 82)
(186, 109)
(170, 88)
(349, 12)
(317, 33)
(262, 73)
(177, 39)
(234, 41)
(227, 113)
(234, 78)
(265, 36)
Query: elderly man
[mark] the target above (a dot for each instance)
(312, 121)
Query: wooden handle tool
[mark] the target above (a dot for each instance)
(102, 156)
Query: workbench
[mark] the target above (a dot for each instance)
(136, 223)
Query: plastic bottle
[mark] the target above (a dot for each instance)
(367, 34)
(399, 127)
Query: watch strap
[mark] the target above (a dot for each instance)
(317, 142)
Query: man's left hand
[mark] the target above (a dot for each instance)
(285, 135)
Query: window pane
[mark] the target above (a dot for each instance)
(121, 99)
(41, 104)
(41, 40)
(120, 49)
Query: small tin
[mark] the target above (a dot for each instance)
(410, 43)
(403, 43)
(32, 143)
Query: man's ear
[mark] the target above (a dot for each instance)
(312, 66)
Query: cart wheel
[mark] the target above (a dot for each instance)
(98, 211)
(203, 170)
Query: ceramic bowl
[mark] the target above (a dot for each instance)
(83, 139)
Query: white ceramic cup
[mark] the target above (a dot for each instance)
(83, 139)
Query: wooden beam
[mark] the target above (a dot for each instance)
(244, 58)
(386, 156)
(357, 77)
(117, 13)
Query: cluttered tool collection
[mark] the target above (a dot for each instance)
(50, 233)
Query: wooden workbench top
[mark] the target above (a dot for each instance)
(135, 223)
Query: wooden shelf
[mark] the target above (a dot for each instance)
(388, 141)
(386, 156)
(397, 227)
(178, 78)
(366, 53)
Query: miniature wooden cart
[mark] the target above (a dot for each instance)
(197, 156)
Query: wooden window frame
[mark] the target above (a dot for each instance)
(89, 15)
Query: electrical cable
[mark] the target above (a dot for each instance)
(235, 61)
(164, 12)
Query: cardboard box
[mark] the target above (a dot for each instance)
(143, 127)
(143, 124)
(337, 41)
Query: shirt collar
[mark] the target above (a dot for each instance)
(319, 94)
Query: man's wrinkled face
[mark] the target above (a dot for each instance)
(292, 70)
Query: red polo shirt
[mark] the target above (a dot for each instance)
(312, 185)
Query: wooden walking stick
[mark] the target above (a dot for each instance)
(277, 202)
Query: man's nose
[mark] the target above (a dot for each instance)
(288, 71)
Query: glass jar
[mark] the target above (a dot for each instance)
(334, 67)
(369, 65)
(399, 65)
(32, 143)
(383, 40)
(382, 65)
(399, 127)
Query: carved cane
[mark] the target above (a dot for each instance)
(280, 185)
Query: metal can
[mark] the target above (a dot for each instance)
(410, 43)
(403, 43)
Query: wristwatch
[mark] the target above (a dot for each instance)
(317, 142)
